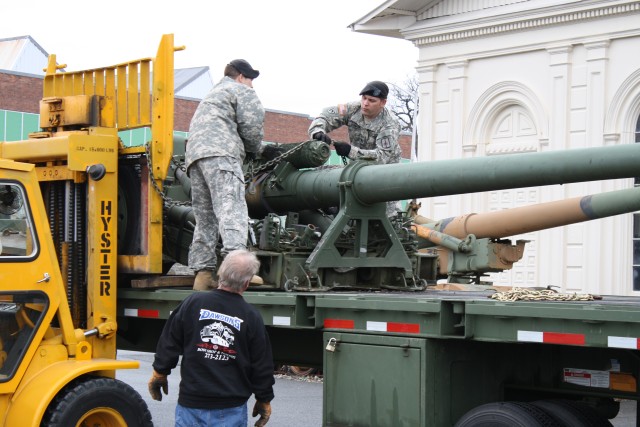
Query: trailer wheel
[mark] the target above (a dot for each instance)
(573, 413)
(302, 371)
(98, 402)
(507, 414)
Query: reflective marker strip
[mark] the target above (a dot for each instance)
(412, 328)
(529, 336)
(624, 342)
(281, 321)
(551, 337)
(377, 326)
(339, 324)
(134, 312)
(558, 338)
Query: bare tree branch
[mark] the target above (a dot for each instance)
(403, 101)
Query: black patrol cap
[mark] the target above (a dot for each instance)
(244, 68)
(376, 88)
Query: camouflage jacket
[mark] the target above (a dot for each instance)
(228, 122)
(373, 140)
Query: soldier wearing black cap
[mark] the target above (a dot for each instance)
(373, 129)
(227, 127)
(377, 89)
(244, 68)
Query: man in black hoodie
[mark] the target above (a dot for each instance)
(226, 353)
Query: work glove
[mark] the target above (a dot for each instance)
(342, 148)
(321, 136)
(250, 157)
(271, 151)
(264, 409)
(157, 382)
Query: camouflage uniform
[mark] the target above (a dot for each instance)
(227, 123)
(375, 139)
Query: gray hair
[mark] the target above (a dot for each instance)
(237, 268)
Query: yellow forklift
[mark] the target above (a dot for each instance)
(60, 231)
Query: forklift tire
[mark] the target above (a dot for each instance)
(573, 413)
(103, 402)
(507, 414)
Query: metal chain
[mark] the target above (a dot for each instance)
(249, 175)
(167, 200)
(179, 165)
(524, 294)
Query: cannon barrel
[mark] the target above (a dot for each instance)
(526, 219)
(472, 242)
(288, 189)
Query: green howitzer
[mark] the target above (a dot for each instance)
(327, 228)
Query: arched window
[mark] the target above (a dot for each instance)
(636, 230)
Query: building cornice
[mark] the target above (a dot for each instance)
(494, 25)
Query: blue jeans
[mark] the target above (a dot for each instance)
(228, 417)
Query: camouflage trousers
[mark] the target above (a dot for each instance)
(220, 210)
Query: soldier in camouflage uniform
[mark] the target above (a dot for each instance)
(373, 129)
(226, 127)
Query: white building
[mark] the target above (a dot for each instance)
(512, 76)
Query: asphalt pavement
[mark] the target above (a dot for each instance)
(298, 402)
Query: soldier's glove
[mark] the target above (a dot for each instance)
(342, 148)
(271, 151)
(157, 382)
(249, 156)
(264, 409)
(321, 136)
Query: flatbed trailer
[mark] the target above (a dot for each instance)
(427, 358)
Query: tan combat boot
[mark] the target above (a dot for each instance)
(204, 281)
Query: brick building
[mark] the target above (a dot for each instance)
(21, 93)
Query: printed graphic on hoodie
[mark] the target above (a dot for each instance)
(218, 337)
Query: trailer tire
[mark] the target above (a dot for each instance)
(98, 401)
(573, 413)
(507, 414)
(301, 371)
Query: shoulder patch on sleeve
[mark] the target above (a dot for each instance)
(385, 142)
(342, 109)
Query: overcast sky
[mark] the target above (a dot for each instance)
(307, 56)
